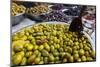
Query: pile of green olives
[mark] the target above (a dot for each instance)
(49, 44)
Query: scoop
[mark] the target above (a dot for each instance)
(76, 24)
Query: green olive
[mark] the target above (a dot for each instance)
(31, 59)
(36, 52)
(56, 53)
(52, 48)
(83, 58)
(87, 53)
(23, 62)
(35, 47)
(75, 52)
(24, 38)
(45, 53)
(76, 43)
(28, 54)
(89, 59)
(61, 49)
(45, 59)
(86, 48)
(57, 58)
(65, 60)
(79, 60)
(84, 41)
(67, 55)
(22, 53)
(76, 56)
(93, 54)
(37, 60)
(18, 47)
(71, 59)
(41, 58)
(54, 32)
(15, 37)
(41, 62)
(51, 57)
(81, 52)
(30, 47)
(69, 49)
(16, 60)
(62, 54)
(41, 47)
(81, 45)
(47, 47)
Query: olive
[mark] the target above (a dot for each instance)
(41, 58)
(57, 58)
(71, 59)
(30, 37)
(45, 59)
(69, 49)
(22, 53)
(41, 47)
(84, 41)
(81, 52)
(62, 54)
(28, 54)
(39, 55)
(87, 53)
(18, 47)
(61, 49)
(54, 32)
(81, 45)
(82, 38)
(65, 60)
(24, 38)
(35, 47)
(67, 55)
(86, 48)
(16, 60)
(45, 52)
(23, 62)
(31, 59)
(36, 52)
(76, 43)
(47, 47)
(56, 53)
(52, 48)
(74, 47)
(83, 58)
(93, 54)
(51, 57)
(89, 59)
(37, 60)
(75, 52)
(76, 56)
(57, 46)
(29, 47)
(79, 60)
(15, 37)
(41, 62)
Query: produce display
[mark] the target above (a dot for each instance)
(37, 10)
(45, 43)
(17, 9)
(55, 16)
